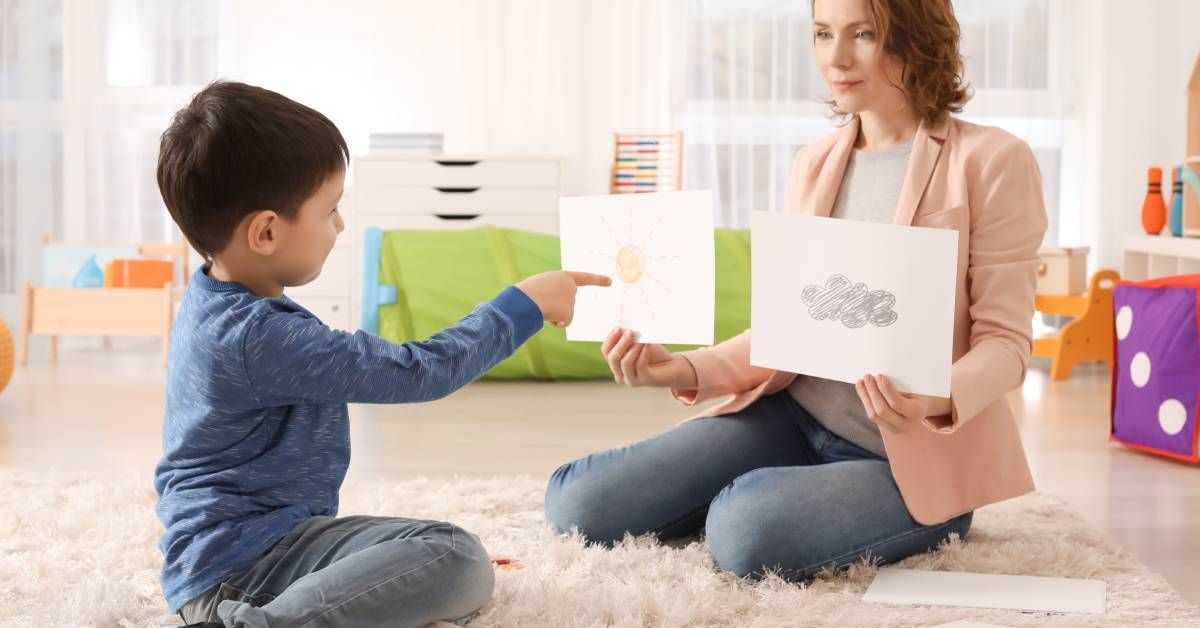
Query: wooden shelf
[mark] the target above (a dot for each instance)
(1148, 257)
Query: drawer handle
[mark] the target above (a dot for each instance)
(453, 163)
(457, 190)
(457, 216)
(335, 308)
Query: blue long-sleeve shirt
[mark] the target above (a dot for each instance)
(256, 433)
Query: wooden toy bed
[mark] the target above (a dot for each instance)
(54, 311)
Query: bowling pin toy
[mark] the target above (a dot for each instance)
(1175, 214)
(1154, 210)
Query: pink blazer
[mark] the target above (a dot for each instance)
(985, 183)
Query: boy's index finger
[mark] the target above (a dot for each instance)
(589, 279)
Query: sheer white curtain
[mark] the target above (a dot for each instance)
(562, 76)
(493, 76)
(751, 101)
(754, 94)
(31, 95)
(86, 87)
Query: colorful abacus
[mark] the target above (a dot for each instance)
(647, 162)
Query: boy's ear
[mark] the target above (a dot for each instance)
(263, 232)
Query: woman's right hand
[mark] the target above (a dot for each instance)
(636, 364)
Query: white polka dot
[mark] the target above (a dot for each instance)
(1124, 321)
(1139, 369)
(1171, 416)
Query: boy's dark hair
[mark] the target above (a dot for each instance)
(236, 149)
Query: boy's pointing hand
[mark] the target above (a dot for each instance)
(554, 292)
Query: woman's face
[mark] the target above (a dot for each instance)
(860, 75)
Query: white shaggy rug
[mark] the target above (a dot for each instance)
(77, 551)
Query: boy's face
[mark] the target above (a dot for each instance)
(312, 234)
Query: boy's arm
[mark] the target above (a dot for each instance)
(296, 359)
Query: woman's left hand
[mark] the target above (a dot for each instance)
(891, 409)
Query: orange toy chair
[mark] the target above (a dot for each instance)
(6, 355)
(1086, 338)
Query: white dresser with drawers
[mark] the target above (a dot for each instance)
(424, 192)
(328, 296)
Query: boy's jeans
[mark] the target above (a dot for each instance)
(773, 488)
(355, 571)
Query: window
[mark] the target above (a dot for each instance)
(1006, 44)
(754, 95)
(93, 118)
(31, 147)
(31, 177)
(158, 42)
(31, 61)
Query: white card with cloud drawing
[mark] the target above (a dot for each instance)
(841, 299)
(658, 248)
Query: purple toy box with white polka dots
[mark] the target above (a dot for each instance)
(1156, 380)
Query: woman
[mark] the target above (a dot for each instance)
(794, 473)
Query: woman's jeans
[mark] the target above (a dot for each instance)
(773, 488)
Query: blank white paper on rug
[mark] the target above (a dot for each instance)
(658, 248)
(977, 590)
(840, 299)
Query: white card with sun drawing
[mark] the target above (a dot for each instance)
(658, 249)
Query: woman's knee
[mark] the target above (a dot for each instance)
(744, 526)
(750, 533)
(582, 500)
(566, 503)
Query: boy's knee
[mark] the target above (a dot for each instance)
(472, 578)
(458, 578)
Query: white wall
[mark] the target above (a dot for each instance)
(558, 77)
(540, 76)
(1137, 58)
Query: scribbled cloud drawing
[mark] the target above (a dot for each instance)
(851, 304)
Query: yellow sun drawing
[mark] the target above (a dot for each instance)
(631, 261)
(633, 264)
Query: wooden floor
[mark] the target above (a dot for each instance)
(100, 411)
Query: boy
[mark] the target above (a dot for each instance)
(256, 435)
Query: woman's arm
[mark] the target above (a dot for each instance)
(1008, 222)
(723, 369)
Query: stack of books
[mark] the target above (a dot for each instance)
(406, 143)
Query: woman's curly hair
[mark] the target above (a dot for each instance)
(923, 35)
